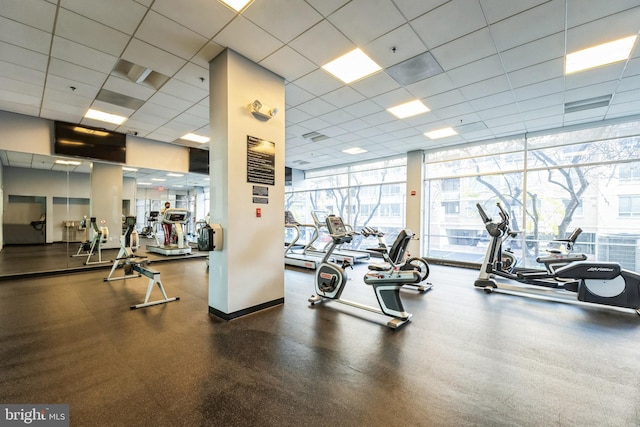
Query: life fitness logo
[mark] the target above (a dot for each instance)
(607, 269)
(327, 276)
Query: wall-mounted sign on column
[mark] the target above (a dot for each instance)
(261, 161)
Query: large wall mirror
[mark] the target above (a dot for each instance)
(47, 219)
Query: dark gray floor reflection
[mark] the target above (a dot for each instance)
(466, 358)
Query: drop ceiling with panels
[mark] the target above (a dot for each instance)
(502, 66)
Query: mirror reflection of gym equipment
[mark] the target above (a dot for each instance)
(177, 245)
(93, 246)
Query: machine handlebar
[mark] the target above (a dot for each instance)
(485, 218)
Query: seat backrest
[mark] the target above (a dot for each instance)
(399, 247)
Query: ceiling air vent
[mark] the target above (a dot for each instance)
(315, 136)
(587, 104)
(139, 74)
(414, 69)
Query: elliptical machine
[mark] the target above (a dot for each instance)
(331, 280)
(397, 258)
(601, 283)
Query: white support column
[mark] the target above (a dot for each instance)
(248, 274)
(106, 200)
(414, 208)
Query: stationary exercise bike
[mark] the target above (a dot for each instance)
(593, 282)
(397, 258)
(100, 235)
(331, 280)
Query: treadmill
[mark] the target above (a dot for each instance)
(176, 217)
(294, 252)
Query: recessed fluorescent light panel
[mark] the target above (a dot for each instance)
(408, 109)
(175, 174)
(237, 5)
(441, 133)
(195, 138)
(158, 179)
(128, 169)
(355, 150)
(105, 117)
(352, 66)
(68, 162)
(607, 53)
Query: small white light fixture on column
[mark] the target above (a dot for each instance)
(261, 112)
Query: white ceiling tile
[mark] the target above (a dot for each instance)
(129, 88)
(449, 22)
(168, 35)
(455, 111)
(322, 43)
(497, 10)
(205, 17)
(539, 89)
(623, 109)
(464, 50)
(491, 101)
(75, 53)
(155, 113)
(594, 76)
(336, 117)
(343, 96)
(169, 101)
(21, 87)
(537, 73)
(57, 114)
(406, 42)
(295, 95)
(34, 13)
(206, 54)
(23, 74)
(546, 101)
(548, 18)
(76, 73)
(62, 99)
(433, 85)
(375, 84)
(603, 30)
(294, 115)
(586, 92)
(248, 39)
(579, 12)
(543, 124)
(629, 83)
(283, 19)
(327, 7)
(363, 108)
(194, 75)
(378, 118)
(365, 20)
(496, 112)
(412, 9)
(84, 31)
(123, 15)
(318, 82)
(184, 91)
(24, 36)
(314, 124)
(535, 52)
(549, 111)
(486, 87)
(111, 108)
(476, 71)
(63, 84)
(288, 63)
(393, 98)
(141, 53)
(23, 57)
(316, 107)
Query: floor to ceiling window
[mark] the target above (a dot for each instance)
(370, 194)
(549, 183)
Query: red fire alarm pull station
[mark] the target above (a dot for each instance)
(413, 192)
(258, 212)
